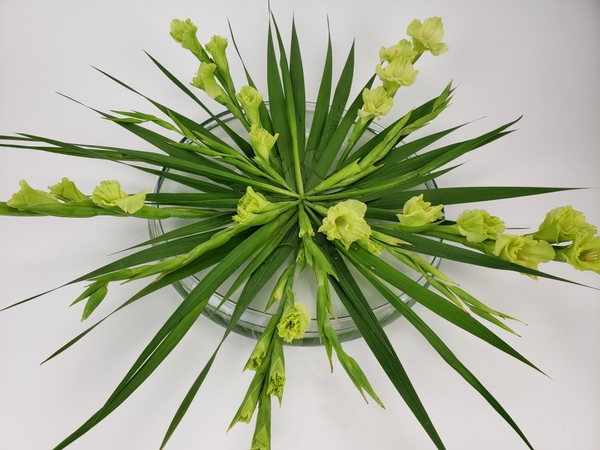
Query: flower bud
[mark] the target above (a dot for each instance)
(306, 228)
(338, 178)
(262, 431)
(251, 100)
(371, 246)
(184, 33)
(260, 352)
(276, 378)
(216, 47)
(205, 80)
(262, 141)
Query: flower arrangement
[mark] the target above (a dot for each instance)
(328, 204)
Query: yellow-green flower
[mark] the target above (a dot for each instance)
(205, 80)
(563, 224)
(110, 194)
(478, 225)
(251, 204)
(28, 197)
(417, 212)
(402, 48)
(398, 72)
(262, 141)
(184, 33)
(251, 100)
(583, 253)
(377, 103)
(216, 47)
(523, 250)
(68, 192)
(345, 222)
(427, 36)
(294, 322)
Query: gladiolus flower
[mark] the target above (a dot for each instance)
(563, 225)
(583, 253)
(402, 48)
(110, 194)
(345, 222)
(251, 204)
(478, 225)
(427, 36)
(377, 103)
(523, 250)
(417, 212)
(294, 322)
(399, 72)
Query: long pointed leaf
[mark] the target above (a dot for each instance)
(355, 303)
(440, 347)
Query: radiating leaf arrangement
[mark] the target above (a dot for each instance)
(263, 204)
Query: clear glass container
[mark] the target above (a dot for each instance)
(254, 319)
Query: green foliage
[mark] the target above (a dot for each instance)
(258, 208)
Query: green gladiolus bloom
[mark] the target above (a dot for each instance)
(110, 194)
(417, 212)
(68, 192)
(28, 197)
(377, 103)
(523, 250)
(345, 222)
(294, 322)
(427, 36)
(478, 225)
(399, 72)
(583, 253)
(251, 204)
(562, 225)
(251, 100)
(402, 48)
(262, 141)
(216, 47)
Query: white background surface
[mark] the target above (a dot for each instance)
(536, 58)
